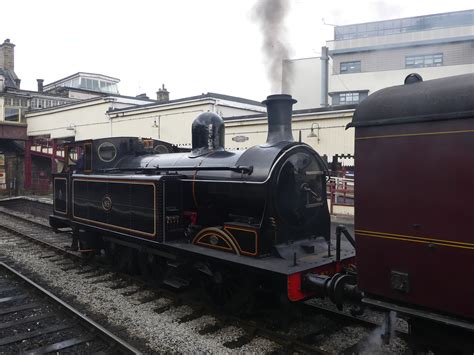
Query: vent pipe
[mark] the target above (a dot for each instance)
(324, 76)
(279, 110)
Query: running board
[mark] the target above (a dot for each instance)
(418, 313)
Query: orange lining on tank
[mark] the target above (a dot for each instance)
(226, 228)
(228, 240)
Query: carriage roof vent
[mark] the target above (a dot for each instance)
(413, 78)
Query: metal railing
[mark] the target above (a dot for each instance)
(340, 191)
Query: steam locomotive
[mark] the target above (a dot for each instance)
(235, 220)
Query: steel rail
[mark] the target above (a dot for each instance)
(4, 211)
(101, 331)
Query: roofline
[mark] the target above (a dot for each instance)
(35, 93)
(68, 106)
(296, 112)
(304, 58)
(82, 72)
(197, 98)
(106, 94)
(405, 18)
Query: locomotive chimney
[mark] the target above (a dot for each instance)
(279, 110)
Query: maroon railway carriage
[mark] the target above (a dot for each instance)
(414, 216)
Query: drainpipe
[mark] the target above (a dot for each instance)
(324, 76)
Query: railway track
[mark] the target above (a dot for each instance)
(308, 337)
(35, 231)
(34, 321)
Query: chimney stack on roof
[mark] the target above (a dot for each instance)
(142, 96)
(40, 84)
(7, 55)
(162, 95)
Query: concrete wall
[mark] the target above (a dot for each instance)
(90, 120)
(302, 79)
(84, 120)
(394, 59)
(333, 137)
(172, 122)
(374, 81)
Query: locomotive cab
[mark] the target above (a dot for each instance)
(95, 156)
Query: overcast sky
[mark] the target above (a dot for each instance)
(192, 46)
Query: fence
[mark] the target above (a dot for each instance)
(340, 192)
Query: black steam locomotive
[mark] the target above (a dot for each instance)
(253, 219)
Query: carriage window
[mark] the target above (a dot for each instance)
(107, 152)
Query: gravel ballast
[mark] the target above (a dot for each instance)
(160, 332)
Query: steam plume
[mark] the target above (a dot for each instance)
(270, 16)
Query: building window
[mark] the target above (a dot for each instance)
(390, 27)
(348, 98)
(350, 67)
(12, 114)
(421, 61)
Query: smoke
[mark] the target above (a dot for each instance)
(270, 16)
(375, 341)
